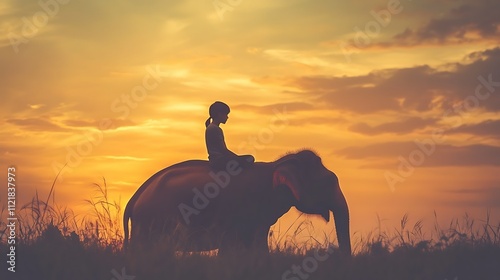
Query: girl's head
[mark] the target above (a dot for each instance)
(218, 112)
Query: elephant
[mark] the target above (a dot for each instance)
(233, 207)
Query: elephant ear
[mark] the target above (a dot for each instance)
(283, 175)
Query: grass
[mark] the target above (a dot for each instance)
(54, 243)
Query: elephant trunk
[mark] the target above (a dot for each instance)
(341, 215)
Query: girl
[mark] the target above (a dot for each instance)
(218, 154)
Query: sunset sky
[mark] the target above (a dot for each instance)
(401, 99)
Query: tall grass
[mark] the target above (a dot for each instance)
(101, 226)
(55, 243)
(463, 232)
(106, 218)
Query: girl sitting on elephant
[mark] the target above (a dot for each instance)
(218, 153)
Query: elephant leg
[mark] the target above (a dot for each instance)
(260, 240)
(245, 239)
(142, 237)
(233, 241)
(138, 236)
(150, 233)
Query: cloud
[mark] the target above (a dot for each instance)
(48, 125)
(124, 158)
(467, 23)
(419, 88)
(399, 127)
(471, 155)
(115, 123)
(488, 128)
(298, 57)
(269, 109)
(389, 154)
(16, 150)
(484, 195)
(379, 150)
(36, 124)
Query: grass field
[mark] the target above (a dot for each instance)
(53, 243)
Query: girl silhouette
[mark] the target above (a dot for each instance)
(218, 153)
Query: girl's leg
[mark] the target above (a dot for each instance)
(221, 163)
(245, 160)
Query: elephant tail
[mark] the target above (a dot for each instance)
(126, 217)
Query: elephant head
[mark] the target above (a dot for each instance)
(315, 189)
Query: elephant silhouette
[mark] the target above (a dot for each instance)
(234, 208)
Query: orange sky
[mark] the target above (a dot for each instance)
(121, 89)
